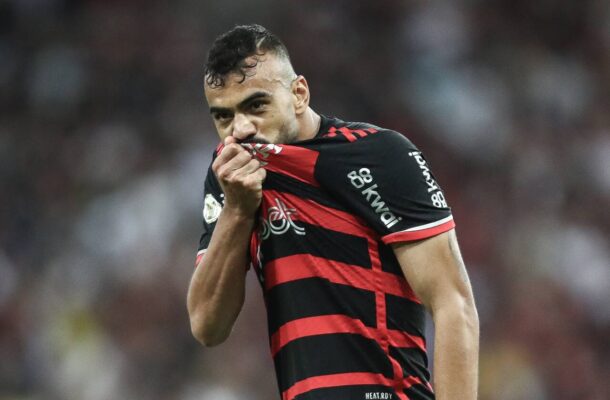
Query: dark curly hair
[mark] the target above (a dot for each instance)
(230, 50)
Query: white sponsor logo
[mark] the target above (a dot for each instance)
(211, 209)
(262, 150)
(377, 396)
(438, 198)
(363, 177)
(279, 220)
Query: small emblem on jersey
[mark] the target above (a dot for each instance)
(437, 196)
(279, 220)
(262, 150)
(211, 209)
(363, 177)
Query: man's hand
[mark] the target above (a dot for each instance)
(217, 290)
(241, 178)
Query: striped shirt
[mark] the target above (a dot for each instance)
(343, 321)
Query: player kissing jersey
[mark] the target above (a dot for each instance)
(343, 321)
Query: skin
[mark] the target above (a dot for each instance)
(272, 106)
(435, 270)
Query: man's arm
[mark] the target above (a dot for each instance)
(435, 270)
(217, 289)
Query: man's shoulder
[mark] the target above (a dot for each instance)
(361, 134)
(352, 131)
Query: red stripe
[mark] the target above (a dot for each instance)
(402, 339)
(398, 383)
(405, 236)
(317, 214)
(413, 380)
(337, 323)
(360, 132)
(219, 147)
(378, 283)
(332, 132)
(198, 259)
(319, 325)
(303, 266)
(381, 310)
(348, 134)
(347, 379)
(372, 130)
(296, 162)
(334, 380)
(254, 248)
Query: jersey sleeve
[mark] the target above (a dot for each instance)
(213, 200)
(384, 179)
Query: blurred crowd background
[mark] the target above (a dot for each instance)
(105, 139)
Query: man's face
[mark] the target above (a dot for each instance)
(259, 109)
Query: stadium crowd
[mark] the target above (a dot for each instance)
(105, 140)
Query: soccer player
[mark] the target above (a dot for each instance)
(347, 230)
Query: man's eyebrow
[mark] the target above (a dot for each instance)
(214, 110)
(252, 97)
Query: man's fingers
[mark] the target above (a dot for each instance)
(228, 152)
(250, 167)
(228, 140)
(260, 174)
(255, 179)
(239, 173)
(225, 167)
(243, 173)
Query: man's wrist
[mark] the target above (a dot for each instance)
(237, 214)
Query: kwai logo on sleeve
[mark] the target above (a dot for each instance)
(437, 197)
(363, 177)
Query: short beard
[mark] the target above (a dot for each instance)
(289, 138)
(254, 139)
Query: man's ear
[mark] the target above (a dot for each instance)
(300, 91)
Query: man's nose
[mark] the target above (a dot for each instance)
(243, 128)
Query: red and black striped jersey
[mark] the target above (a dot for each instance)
(343, 321)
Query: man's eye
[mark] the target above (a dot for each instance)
(257, 105)
(222, 116)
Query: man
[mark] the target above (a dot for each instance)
(347, 229)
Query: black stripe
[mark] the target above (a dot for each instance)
(284, 183)
(319, 242)
(316, 296)
(329, 354)
(359, 392)
(419, 392)
(405, 315)
(414, 362)
(389, 263)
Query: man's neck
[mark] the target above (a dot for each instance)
(310, 125)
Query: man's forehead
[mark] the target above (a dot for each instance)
(267, 75)
(233, 92)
